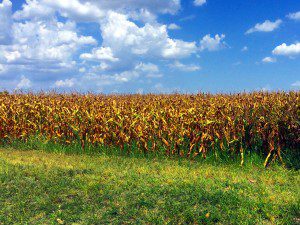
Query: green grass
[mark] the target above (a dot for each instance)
(214, 156)
(38, 187)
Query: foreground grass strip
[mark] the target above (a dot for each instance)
(50, 188)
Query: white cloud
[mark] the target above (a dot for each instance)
(287, 50)
(147, 67)
(102, 53)
(296, 84)
(150, 70)
(244, 49)
(97, 79)
(269, 60)
(174, 26)
(74, 9)
(49, 49)
(185, 67)
(294, 16)
(94, 10)
(5, 22)
(142, 15)
(24, 83)
(266, 26)
(49, 42)
(33, 9)
(2, 68)
(65, 83)
(178, 49)
(126, 39)
(101, 67)
(11, 56)
(126, 76)
(199, 2)
(42, 45)
(153, 6)
(46, 49)
(212, 43)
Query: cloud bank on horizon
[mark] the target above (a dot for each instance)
(137, 46)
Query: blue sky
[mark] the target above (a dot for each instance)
(146, 46)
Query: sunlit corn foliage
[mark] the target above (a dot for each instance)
(176, 124)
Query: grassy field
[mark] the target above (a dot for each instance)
(37, 187)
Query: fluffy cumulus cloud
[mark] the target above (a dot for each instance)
(266, 26)
(24, 83)
(74, 9)
(294, 16)
(174, 26)
(65, 83)
(269, 60)
(94, 10)
(5, 22)
(199, 2)
(178, 49)
(125, 47)
(184, 67)
(38, 47)
(153, 6)
(212, 43)
(287, 50)
(125, 38)
(43, 41)
(11, 56)
(51, 44)
(102, 53)
(33, 9)
(147, 67)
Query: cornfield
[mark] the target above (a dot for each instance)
(175, 124)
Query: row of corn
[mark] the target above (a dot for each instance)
(176, 124)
